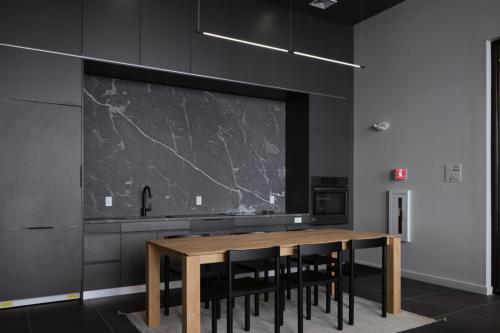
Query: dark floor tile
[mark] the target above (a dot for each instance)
(74, 325)
(489, 312)
(422, 309)
(14, 320)
(412, 288)
(119, 323)
(459, 323)
(369, 294)
(76, 310)
(124, 303)
(455, 300)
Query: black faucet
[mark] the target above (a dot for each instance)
(146, 201)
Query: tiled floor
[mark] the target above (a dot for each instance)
(460, 311)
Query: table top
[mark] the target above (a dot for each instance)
(200, 246)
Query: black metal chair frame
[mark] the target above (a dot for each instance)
(316, 278)
(259, 286)
(367, 244)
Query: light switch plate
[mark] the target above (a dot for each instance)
(108, 201)
(271, 199)
(453, 172)
(198, 200)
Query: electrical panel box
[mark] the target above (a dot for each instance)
(399, 218)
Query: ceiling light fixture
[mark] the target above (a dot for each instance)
(327, 59)
(242, 41)
(322, 4)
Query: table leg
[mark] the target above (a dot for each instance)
(152, 286)
(394, 276)
(190, 294)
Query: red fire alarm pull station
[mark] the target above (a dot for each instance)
(400, 174)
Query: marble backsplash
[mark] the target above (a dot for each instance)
(183, 143)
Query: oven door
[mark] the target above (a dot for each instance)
(329, 205)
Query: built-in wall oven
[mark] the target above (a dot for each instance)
(329, 200)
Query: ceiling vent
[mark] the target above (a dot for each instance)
(322, 4)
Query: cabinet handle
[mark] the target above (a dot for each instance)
(39, 228)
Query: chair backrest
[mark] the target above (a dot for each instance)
(368, 243)
(323, 248)
(233, 256)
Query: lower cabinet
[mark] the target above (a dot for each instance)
(133, 253)
(101, 275)
(40, 262)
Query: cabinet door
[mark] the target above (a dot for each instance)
(111, 29)
(38, 263)
(40, 77)
(166, 33)
(40, 168)
(134, 257)
(329, 153)
(49, 24)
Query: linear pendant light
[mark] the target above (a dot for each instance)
(246, 42)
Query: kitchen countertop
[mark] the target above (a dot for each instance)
(183, 217)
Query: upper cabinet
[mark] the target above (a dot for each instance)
(111, 29)
(40, 77)
(166, 28)
(49, 24)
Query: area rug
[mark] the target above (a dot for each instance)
(367, 319)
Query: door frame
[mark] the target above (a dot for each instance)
(495, 136)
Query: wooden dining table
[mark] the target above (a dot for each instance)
(194, 252)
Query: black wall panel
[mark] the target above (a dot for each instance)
(49, 24)
(166, 28)
(38, 263)
(111, 29)
(40, 77)
(40, 168)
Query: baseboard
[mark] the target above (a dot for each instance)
(38, 300)
(438, 280)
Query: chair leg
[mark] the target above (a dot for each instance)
(316, 288)
(247, 313)
(384, 281)
(214, 313)
(266, 277)
(308, 302)
(277, 311)
(229, 314)
(166, 295)
(218, 306)
(351, 290)
(256, 297)
(282, 306)
(340, 305)
(288, 272)
(206, 293)
(328, 297)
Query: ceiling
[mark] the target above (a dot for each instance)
(344, 11)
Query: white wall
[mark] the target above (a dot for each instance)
(426, 64)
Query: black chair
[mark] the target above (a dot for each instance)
(310, 278)
(246, 286)
(366, 244)
(175, 267)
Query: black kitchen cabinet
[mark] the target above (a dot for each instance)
(111, 29)
(38, 263)
(166, 28)
(133, 267)
(101, 276)
(40, 77)
(41, 149)
(104, 247)
(49, 24)
(327, 113)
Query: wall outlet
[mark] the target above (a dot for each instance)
(198, 200)
(108, 201)
(297, 220)
(271, 199)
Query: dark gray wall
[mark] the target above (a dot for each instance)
(183, 143)
(430, 81)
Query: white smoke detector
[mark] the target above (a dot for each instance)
(322, 4)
